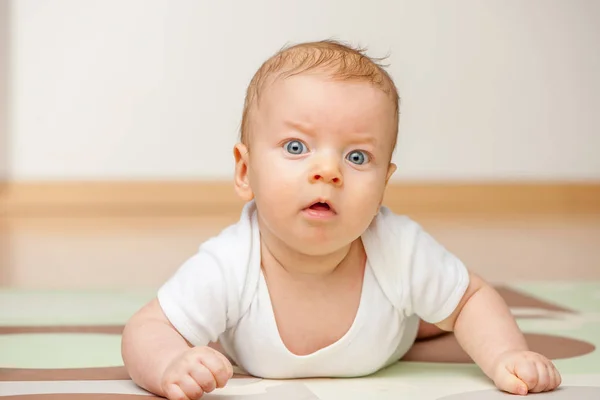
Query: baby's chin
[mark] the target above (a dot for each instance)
(319, 248)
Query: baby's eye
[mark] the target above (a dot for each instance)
(295, 147)
(358, 157)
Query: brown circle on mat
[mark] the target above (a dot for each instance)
(562, 393)
(445, 348)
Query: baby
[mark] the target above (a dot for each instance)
(317, 278)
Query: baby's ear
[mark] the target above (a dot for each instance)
(390, 172)
(391, 169)
(241, 179)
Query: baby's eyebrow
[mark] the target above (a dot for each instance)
(358, 138)
(301, 126)
(364, 139)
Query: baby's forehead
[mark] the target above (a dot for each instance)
(320, 92)
(323, 76)
(335, 61)
(314, 107)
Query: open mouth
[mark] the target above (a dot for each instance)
(320, 207)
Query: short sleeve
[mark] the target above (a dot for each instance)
(437, 278)
(417, 273)
(195, 298)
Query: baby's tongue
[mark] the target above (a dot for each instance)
(320, 207)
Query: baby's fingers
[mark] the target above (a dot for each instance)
(554, 379)
(219, 367)
(203, 378)
(557, 377)
(174, 392)
(510, 383)
(544, 379)
(528, 372)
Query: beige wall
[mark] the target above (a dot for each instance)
(153, 89)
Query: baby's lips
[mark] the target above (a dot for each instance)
(322, 201)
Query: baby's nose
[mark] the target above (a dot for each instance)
(327, 179)
(327, 173)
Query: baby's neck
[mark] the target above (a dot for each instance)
(275, 254)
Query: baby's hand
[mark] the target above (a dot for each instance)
(520, 372)
(197, 371)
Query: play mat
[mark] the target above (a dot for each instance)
(66, 345)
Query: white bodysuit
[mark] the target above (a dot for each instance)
(220, 294)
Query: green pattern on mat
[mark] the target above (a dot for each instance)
(115, 307)
(53, 350)
(42, 308)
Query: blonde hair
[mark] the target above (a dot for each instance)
(340, 60)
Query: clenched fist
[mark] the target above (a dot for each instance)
(520, 372)
(197, 371)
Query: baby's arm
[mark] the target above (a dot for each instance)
(161, 361)
(149, 344)
(487, 331)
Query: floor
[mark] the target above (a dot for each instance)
(66, 344)
(122, 252)
(69, 285)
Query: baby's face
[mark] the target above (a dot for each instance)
(318, 140)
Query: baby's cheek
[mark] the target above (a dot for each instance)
(363, 202)
(366, 188)
(275, 192)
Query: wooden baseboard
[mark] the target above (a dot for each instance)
(175, 198)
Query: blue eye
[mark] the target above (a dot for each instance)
(295, 147)
(358, 157)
